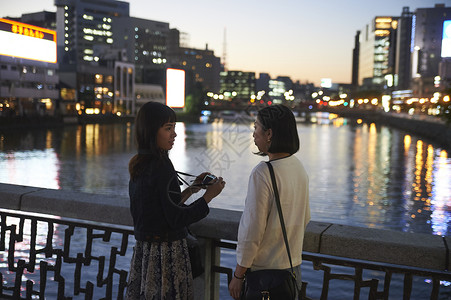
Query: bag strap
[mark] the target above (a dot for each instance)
(279, 209)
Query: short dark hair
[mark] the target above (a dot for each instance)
(150, 118)
(280, 119)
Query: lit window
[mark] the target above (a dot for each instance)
(98, 78)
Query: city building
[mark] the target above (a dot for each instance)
(355, 61)
(146, 42)
(262, 83)
(201, 65)
(28, 70)
(427, 49)
(44, 19)
(402, 73)
(89, 60)
(277, 90)
(374, 51)
(238, 86)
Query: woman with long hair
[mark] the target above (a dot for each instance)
(160, 266)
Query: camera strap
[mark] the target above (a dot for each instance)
(183, 180)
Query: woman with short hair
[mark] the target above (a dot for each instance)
(261, 243)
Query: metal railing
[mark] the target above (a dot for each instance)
(33, 247)
(37, 260)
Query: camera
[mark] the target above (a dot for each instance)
(208, 178)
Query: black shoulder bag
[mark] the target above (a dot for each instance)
(272, 284)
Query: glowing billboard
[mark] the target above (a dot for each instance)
(446, 39)
(326, 83)
(175, 88)
(27, 41)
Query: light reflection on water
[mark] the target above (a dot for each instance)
(364, 175)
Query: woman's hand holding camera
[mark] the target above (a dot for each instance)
(214, 188)
(212, 184)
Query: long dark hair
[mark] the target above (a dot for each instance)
(281, 121)
(150, 118)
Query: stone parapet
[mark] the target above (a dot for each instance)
(378, 245)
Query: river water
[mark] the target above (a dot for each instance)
(360, 174)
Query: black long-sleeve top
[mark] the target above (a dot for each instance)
(155, 204)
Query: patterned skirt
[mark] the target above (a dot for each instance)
(160, 271)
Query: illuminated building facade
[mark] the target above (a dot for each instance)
(201, 65)
(146, 44)
(238, 85)
(88, 55)
(427, 47)
(374, 51)
(28, 70)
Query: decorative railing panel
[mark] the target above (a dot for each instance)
(355, 272)
(43, 256)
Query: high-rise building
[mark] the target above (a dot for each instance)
(355, 61)
(402, 58)
(146, 44)
(85, 29)
(374, 51)
(87, 54)
(426, 48)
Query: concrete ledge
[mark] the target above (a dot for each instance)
(11, 195)
(85, 206)
(219, 224)
(313, 234)
(410, 249)
(386, 246)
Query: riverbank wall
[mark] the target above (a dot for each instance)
(429, 128)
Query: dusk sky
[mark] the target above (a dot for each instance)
(306, 40)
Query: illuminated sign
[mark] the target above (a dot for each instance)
(446, 40)
(27, 41)
(175, 88)
(326, 83)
